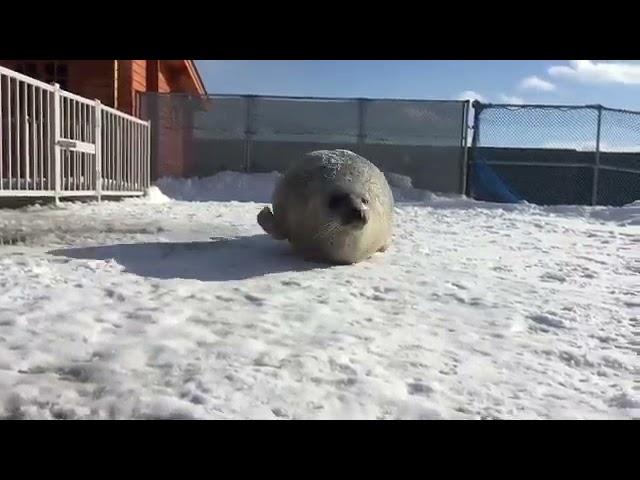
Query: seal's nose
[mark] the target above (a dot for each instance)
(355, 215)
(351, 209)
(355, 212)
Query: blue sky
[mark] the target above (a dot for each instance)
(612, 83)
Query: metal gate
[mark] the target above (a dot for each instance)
(54, 143)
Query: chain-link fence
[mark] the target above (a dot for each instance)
(423, 140)
(549, 154)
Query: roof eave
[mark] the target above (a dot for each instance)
(195, 75)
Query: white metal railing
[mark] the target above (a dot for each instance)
(58, 144)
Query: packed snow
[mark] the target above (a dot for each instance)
(177, 305)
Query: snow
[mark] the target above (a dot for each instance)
(256, 187)
(132, 310)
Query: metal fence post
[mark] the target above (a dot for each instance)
(362, 132)
(248, 132)
(98, 146)
(465, 146)
(596, 167)
(475, 139)
(477, 109)
(57, 149)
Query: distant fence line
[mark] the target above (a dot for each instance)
(421, 139)
(544, 154)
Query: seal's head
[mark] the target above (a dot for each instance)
(334, 206)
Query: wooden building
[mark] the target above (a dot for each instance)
(115, 83)
(119, 83)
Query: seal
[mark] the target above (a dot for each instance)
(333, 206)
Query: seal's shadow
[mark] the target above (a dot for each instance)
(215, 261)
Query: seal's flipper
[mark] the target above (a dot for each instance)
(384, 248)
(268, 223)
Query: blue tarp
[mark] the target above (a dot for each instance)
(488, 186)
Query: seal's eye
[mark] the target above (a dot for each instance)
(364, 201)
(337, 200)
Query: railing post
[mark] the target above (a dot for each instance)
(98, 145)
(596, 167)
(57, 149)
(117, 170)
(150, 155)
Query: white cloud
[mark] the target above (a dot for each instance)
(471, 95)
(537, 83)
(589, 71)
(511, 99)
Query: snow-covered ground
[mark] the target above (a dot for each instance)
(130, 310)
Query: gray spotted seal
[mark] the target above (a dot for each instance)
(333, 206)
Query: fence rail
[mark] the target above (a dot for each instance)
(54, 143)
(553, 154)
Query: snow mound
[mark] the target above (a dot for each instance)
(155, 195)
(397, 180)
(626, 215)
(222, 187)
(258, 187)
